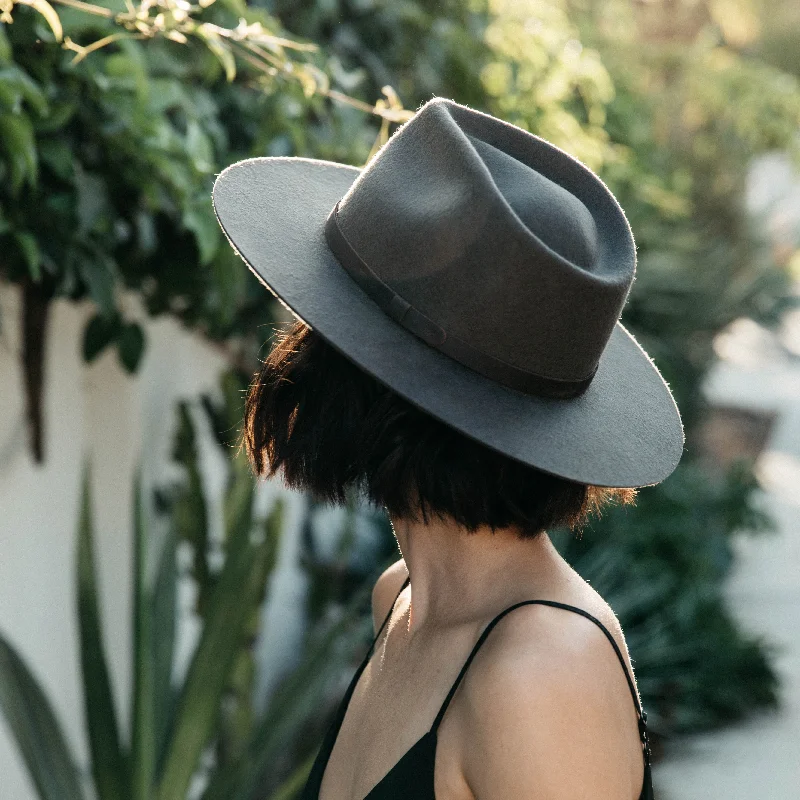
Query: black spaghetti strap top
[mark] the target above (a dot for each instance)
(411, 778)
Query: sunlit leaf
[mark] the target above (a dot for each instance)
(30, 251)
(18, 141)
(200, 220)
(738, 20)
(219, 48)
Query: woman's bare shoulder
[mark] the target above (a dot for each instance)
(385, 591)
(547, 693)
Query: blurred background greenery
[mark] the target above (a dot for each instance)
(114, 120)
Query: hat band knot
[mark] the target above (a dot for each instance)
(415, 321)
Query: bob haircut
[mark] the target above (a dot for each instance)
(329, 426)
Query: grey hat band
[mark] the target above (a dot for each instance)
(402, 312)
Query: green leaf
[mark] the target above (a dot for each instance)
(10, 96)
(5, 48)
(200, 220)
(56, 155)
(295, 699)
(60, 114)
(16, 136)
(238, 7)
(198, 148)
(108, 760)
(15, 83)
(162, 610)
(93, 203)
(100, 331)
(130, 345)
(143, 743)
(228, 613)
(99, 274)
(190, 514)
(230, 280)
(30, 252)
(218, 46)
(35, 729)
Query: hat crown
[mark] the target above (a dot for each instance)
(502, 240)
(541, 205)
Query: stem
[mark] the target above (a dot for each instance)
(89, 8)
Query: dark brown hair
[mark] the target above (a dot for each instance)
(329, 426)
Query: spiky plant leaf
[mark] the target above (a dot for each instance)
(143, 740)
(227, 614)
(162, 611)
(295, 699)
(35, 729)
(108, 759)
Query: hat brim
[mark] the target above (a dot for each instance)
(623, 431)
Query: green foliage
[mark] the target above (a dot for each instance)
(670, 114)
(247, 746)
(108, 759)
(106, 168)
(105, 174)
(34, 726)
(173, 725)
(240, 584)
(702, 264)
(422, 48)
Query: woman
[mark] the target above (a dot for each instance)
(458, 358)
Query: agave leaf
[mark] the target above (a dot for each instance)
(227, 614)
(34, 726)
(143, 741)
(297, 697)
(238, 504)
(108, 760)
(163, 627)
(190, 516)
(238, 713)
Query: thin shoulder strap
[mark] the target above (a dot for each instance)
(388, 616)
(639, 710)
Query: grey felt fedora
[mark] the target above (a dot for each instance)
(478, 271)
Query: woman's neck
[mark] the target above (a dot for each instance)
(458, 576)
